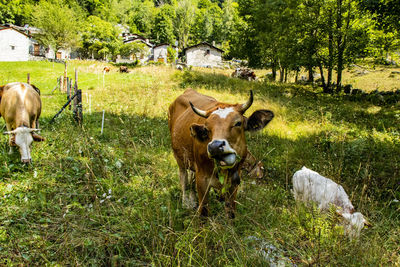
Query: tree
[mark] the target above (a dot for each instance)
(141, 16)
(14, 12)
(100, 38)
(163, 31)
(133, 49)
(58, 25)
(185, 14)
(386, 13)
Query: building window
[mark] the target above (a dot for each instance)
(208, 52)
(12, 47)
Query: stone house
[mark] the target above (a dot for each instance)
(160, 52)
(16, 44)
(203, 55)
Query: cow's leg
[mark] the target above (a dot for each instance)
(230, 201)
(188, 201)
(203, 186)
(192, 189)
(11, 139)
(230, 196)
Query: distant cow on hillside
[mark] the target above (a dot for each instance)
(20, 106)
(123, 69)
(106, 69)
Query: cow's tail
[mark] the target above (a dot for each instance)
(171, 110)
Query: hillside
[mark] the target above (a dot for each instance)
(114, 199)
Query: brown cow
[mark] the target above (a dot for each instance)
(208, 138)
(20, 106)
(123, 69)
(106, 69)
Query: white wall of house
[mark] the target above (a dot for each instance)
(161, 52)
(63, 54)
(14, 46)
(203, 56)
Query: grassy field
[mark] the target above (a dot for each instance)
(114, 199)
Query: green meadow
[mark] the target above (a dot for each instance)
(113, 199)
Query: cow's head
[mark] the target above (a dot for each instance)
(224, 130)
(23, 138)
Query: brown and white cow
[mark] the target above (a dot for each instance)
(20, 106)
(208, 140)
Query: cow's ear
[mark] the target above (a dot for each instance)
(36, 89)
(37, 137)
(258, 120)
(1, 91)
(199, 132)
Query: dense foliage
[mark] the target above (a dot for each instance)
(286, 35)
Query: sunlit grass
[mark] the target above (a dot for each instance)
(114, 199)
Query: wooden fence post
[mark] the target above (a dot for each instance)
(29, 78)
(64, 88)
(77, 101)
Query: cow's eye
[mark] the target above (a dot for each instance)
(238, 124)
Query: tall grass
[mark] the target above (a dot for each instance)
(114, 199)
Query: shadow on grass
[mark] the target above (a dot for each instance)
(367, 167)
(303, 103)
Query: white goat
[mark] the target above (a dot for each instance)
(310, 186)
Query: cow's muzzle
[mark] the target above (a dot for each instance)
(221, 151)
(26, 161)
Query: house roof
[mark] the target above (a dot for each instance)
(139, 40)
(3, 27)
(163, 44)
(203, 43)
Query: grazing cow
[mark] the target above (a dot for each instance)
(123, 69)
(246, 74)
(208, 138)
(106, 69)
(20, 106)
(310, 186)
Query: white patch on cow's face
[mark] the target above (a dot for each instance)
(24, 139)
(223, 112)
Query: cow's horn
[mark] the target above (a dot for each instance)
(248, 104)
(199, 112)
(34, 130)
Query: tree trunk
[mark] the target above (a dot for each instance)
(273, 66)
(321, 71)
(286, 74)
(310, 73)
(342, 45)
(330, 51)
(339, 46)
